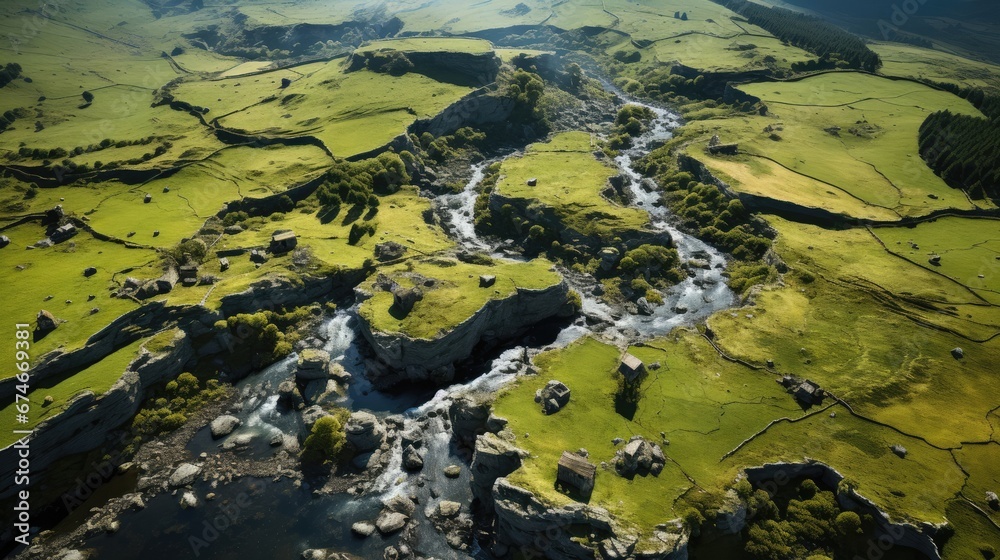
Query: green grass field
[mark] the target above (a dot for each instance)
(867, 167)
(706, 407)
(570, 181)
(350, 113)
(429, 44)
(456, 295)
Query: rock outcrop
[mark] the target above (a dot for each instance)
(494, 458)
(88, 419)
(364, 431)
(401, 358)
(521, 518)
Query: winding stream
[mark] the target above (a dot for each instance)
(282, 519)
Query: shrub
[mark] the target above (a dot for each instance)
(326, 440)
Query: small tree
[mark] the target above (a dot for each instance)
(325, 441)
(88, 97)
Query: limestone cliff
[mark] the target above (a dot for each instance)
(88, 419)
(525, 523)
(401, 358)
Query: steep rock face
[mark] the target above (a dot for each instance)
(401, 358)
(88, 419)
(525, 523)
(902, 533)
(476, 68)
(469, 415)
(480, 107)
(494, 458)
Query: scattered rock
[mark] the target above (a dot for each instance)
(412, 460)
(957, 353)
(532, 182)
(89, 271)
(993, 501)
(389, 251)
(487, 281)
(448, 509)
(224, 425)
(391, 522)
(364, 431)
(403, 299)
(935, 260)
(900, 451)
(288, 395)
(45, 322)
(453, 471)
(188, 500)
(363, 529)
(644, 307)
(313, 364)
(184, 475)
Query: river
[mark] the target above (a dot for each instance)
(280, 520)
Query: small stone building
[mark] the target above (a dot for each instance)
(808, 392)
(188, 275)
(283, 242)
(576, 472)
(63, 233)
(631, 368)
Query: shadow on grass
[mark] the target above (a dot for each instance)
(354, 214)
(328, 214)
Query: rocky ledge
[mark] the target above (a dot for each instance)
(88, 419)
(400, 358)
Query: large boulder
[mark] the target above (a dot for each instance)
(184, 475)
(403, 299)
(412, 459)
(313, 364)
(469, 414)
(224, 425)
(321, 391)
(389, 251)
(639, 457)
(391, 522)
(45, 322)
(364, 431)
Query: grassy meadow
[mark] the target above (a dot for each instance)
(570, 181)
(456, 294)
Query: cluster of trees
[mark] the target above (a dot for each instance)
(169, 407)
(8, 117)
(526, 89)
(964, 151)
(631, 121)
(356, 183)
(9, 73)
(441, 148)
(264, 337)
(389, 62)
(808, 33)
(802, 521)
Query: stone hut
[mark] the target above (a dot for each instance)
(808, 392)
(223, 264)
(532, 182)
(724, 149)
(404, 299)
(553, 397)
(282, 242)
(188, 275)
(576, 472)
(63, 233)
(631, 368)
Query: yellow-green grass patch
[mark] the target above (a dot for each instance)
(981, 462)
(855, 132)
(718, 54)
(455, 296)
(32, 276)
(969, 250)
(873, 329)
(570, 181)
(430, 44)
(350, 113)
(911, 61)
